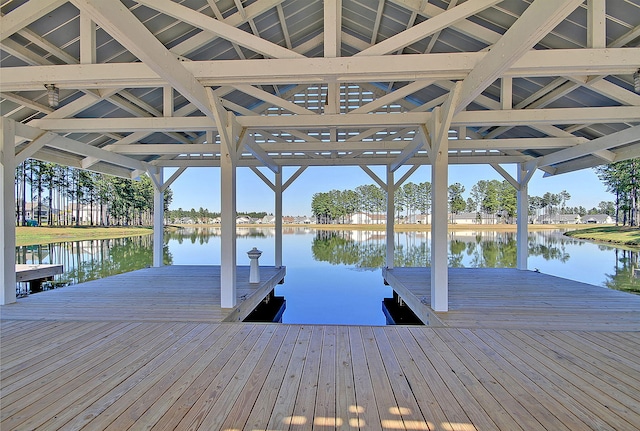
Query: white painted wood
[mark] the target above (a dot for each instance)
(7, 213)
(439, 222)
(87, 39)
(596, 24)
(522, 234)
(228, 225)
(332, 27)
(534, 23)
(506, 92)
(158, 219)
(167, 101)
(391, 213)
(437, 66)
(120, 23)
(428, 27)
(278, 189)
(220, 29)
(25, 15)
(31, 148)
(613, 140)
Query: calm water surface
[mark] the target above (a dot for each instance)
(334, 276)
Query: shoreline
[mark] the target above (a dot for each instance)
(382, 227)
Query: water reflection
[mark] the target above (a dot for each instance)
(93, 259)
(549, 251)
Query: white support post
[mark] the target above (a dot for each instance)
(228, 227)
(439, 224)
(278, 222)
(522, 235)
(7, 212)
(158, 219)
(391, 188)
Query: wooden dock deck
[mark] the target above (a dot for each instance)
(168, 368)
(510, 298)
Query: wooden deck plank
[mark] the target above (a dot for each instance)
(469, 374)
(366, 408)
(563, 390)
(166, 362)
(282, 411)
(304, 403)
(208, 400)
(509, 367)
(510, 298)
(60, 404)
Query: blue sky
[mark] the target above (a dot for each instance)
(200, 187)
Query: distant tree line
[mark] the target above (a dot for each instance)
(203, 215)
(490, 200)
(623, 180)
(64, 196)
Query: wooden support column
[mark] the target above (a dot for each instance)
(228, 226)
(439, 222)
(522, 235)
(158, 218)
(391, 188)
(278, 213)
(7, 212)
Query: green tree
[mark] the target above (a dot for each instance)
(456, 201)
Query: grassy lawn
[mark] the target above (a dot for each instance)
(45, 235)
(614, 234)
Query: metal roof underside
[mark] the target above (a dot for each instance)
(151, 83)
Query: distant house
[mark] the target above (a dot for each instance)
(559, 219)
(288, 220)
(32, 210)
(268, 219)
(362, 218)
(243, 220)
(302, 220)
(597, 219)
(419, 219)
(470, 218)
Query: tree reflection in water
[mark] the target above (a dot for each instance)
(482, 249)
(364, 250)
(93, 259)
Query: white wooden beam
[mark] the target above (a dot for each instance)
(374, 177)
(120, 23)
(450, 66)
(25, 14)
(471, 29)
(293, 177)
(260, 154)
(87, 39)
(76, 147)
(596, 24)
(392, 96)
(534, 23)
(428, 27)
(419, 142)
(624, 137)
(219, 28)
(332, 27)
(26, 102)
(32, 147)
(172, 178)
(273, 99)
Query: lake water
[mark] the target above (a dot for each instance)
(334, 277)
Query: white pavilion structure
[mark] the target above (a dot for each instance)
(132, 87)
